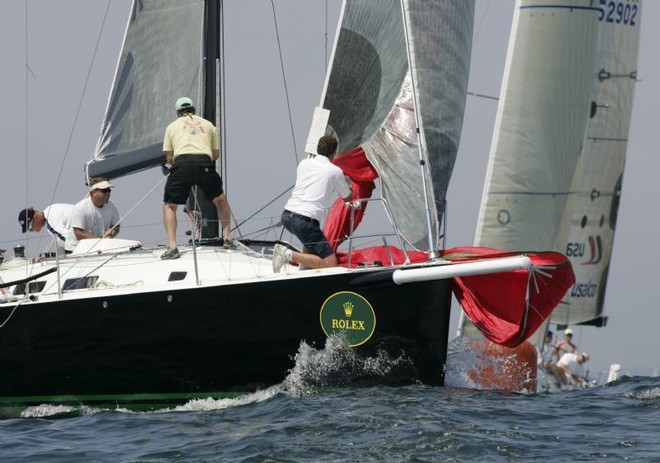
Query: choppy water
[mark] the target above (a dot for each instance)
(293, 423)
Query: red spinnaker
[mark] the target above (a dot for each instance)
(356, 166)
(508, 307)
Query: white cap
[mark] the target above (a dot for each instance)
(101, 186)
(568, 331)
(182, 103)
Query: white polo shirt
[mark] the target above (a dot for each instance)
(318, 183)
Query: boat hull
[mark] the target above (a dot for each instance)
(169, 346)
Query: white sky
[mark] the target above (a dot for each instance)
(46, 117)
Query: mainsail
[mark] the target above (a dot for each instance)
(159, 62)
(369, 93)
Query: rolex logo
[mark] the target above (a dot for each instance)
(348, 308)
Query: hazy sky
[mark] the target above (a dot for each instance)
(53, 109)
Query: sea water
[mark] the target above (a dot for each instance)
(293, 422)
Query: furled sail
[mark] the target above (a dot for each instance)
(590, 219)
(369, 93)
(159, 62)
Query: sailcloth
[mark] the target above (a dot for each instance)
(540, 124)
(509, 307)
(159, 62)
(590, 219)
(555, 170)
(369, 92)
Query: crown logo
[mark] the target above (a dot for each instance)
(348, 308)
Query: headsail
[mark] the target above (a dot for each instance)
(540, 125)
(557, 157)
(591, 217)
(159, 62)
(369, 95)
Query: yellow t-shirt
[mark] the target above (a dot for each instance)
(190, 134)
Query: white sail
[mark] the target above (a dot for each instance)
(540, 125)
(557, 157)
(589, 223)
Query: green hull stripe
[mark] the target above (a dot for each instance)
(132, 401)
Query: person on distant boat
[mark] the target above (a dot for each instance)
(545, 359)
(565, 345)
(96, 216)
(57, 220)
(570, 367)
(318, 182)
(191, 147)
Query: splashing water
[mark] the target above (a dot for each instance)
(339, 365)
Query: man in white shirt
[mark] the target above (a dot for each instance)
(571, 366)
(318, 183)
(57, 220)
(96, 216)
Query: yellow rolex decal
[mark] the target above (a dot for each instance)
(351, 315)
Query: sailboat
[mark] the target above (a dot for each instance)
(113, 324)
(556, 166)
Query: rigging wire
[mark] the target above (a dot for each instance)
(82, 97)
(27, 109)
(476, 39)
(286, 90)
(266, 205)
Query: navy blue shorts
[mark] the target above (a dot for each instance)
(189, 170)
(308, 231)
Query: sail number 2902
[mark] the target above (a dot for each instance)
(619, 12)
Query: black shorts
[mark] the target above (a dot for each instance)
(189, 170)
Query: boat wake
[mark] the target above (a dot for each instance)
(338, 365)
(57, 411)
(473, 368)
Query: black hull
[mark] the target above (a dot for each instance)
(170, 346)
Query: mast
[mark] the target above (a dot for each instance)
(210, 100)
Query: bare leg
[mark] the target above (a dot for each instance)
(314, 261)
(169, 220)
(224, 214)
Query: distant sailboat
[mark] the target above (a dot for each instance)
(557, 157)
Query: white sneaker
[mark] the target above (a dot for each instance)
(7, 297)
(279, 258)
